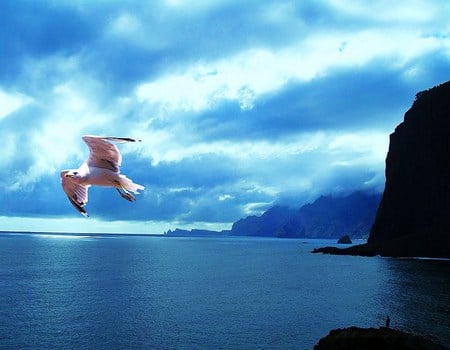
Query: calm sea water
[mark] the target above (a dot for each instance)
(196, 293)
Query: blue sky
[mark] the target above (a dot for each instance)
(240, 105)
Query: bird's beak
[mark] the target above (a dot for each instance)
(68, 175)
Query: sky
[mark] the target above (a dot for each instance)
(240, 105)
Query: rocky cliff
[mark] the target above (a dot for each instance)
(413, 216)
(415, 207)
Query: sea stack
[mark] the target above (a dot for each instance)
(413, 218)
(345, 240)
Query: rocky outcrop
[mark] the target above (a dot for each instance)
(355, 338)
(413, 216)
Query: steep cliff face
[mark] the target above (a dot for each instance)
(415, 208)
(413, 218)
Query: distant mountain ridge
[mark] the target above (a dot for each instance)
(195, 233)
(269, 224)
(327, 217)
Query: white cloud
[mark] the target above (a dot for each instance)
(187, 6)
(56, 142)
(240, 78)
(125, 24)
(250, 74)
(131, 29)
(9, 149)
(224, 197)
(167, 146)
(11, 102)
(368, 148)
(384, 11)
(364, 145)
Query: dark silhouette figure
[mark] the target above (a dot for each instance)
(388, 321)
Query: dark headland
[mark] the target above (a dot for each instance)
(413, 218)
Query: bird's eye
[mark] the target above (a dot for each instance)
(75, 172)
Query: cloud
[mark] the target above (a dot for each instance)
(240, 105)
(291, 85)
(10, 103)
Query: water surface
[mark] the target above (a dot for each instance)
(188, 293)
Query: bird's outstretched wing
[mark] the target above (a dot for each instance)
(103, 154)
(77, 194)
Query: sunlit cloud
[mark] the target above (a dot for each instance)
(418, 11)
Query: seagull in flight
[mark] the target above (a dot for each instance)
(102, 168)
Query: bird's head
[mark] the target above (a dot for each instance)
(72, 174)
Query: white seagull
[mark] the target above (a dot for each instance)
(102, 168)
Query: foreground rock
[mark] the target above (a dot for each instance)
(413, 216)
(374, 338)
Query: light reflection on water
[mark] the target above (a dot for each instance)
(46, 236)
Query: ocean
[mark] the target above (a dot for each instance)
(135, 292)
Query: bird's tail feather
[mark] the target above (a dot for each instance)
(129, 185)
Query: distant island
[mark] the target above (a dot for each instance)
(345, 240)
(413, 216)
(195, 233)
(327, 217)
